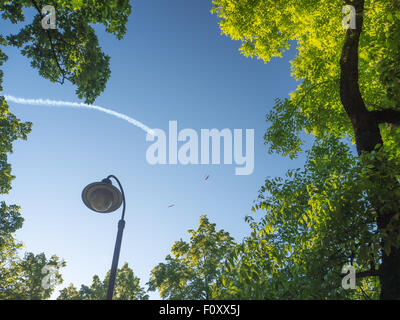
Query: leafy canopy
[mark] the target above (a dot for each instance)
(190, 271)
(70, 52)
(267, 28)
(127, 287)
(320, 218)
(316, 220)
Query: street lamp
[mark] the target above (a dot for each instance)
(103, 197)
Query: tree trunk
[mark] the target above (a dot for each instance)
(367, 135)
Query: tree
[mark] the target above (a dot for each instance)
(71, 51)
(350, 88)
(10, 221)
(11, 129)
(127, 287)
(20, 278)
(192, 269)
(318, 221)
(34, 277)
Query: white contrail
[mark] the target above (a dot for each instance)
(47, 102)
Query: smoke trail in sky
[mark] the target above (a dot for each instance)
(47, 102)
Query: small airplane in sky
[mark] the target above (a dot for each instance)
(171, 206)
(206, 178)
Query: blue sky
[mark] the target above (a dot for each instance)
(173, 64)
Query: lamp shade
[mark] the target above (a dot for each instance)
(102, 197)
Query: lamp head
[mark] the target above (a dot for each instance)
(102, 196)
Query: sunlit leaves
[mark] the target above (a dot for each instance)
(192, 269)
(325, 215)
(267, 28)
(314, 221)
(127, 287)
(71, 52)
(11, 129)
(23, 277)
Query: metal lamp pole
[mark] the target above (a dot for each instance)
(117, 248)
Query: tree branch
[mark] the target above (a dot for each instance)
(365, 295)
(387, 116)
(366, 129)
(369, 273)
(53, 49)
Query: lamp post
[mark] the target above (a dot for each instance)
(103, 197)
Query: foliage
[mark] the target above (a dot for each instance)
(190, 271)
(267, 28)
(11, 129)
(317, 220)
(25, 278)
(10, 221)
(19, 278)
(31, 282)
(127, 287)
(70, 52)
(329, 214)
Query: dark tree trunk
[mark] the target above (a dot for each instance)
(367, 134)
(365, 126)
